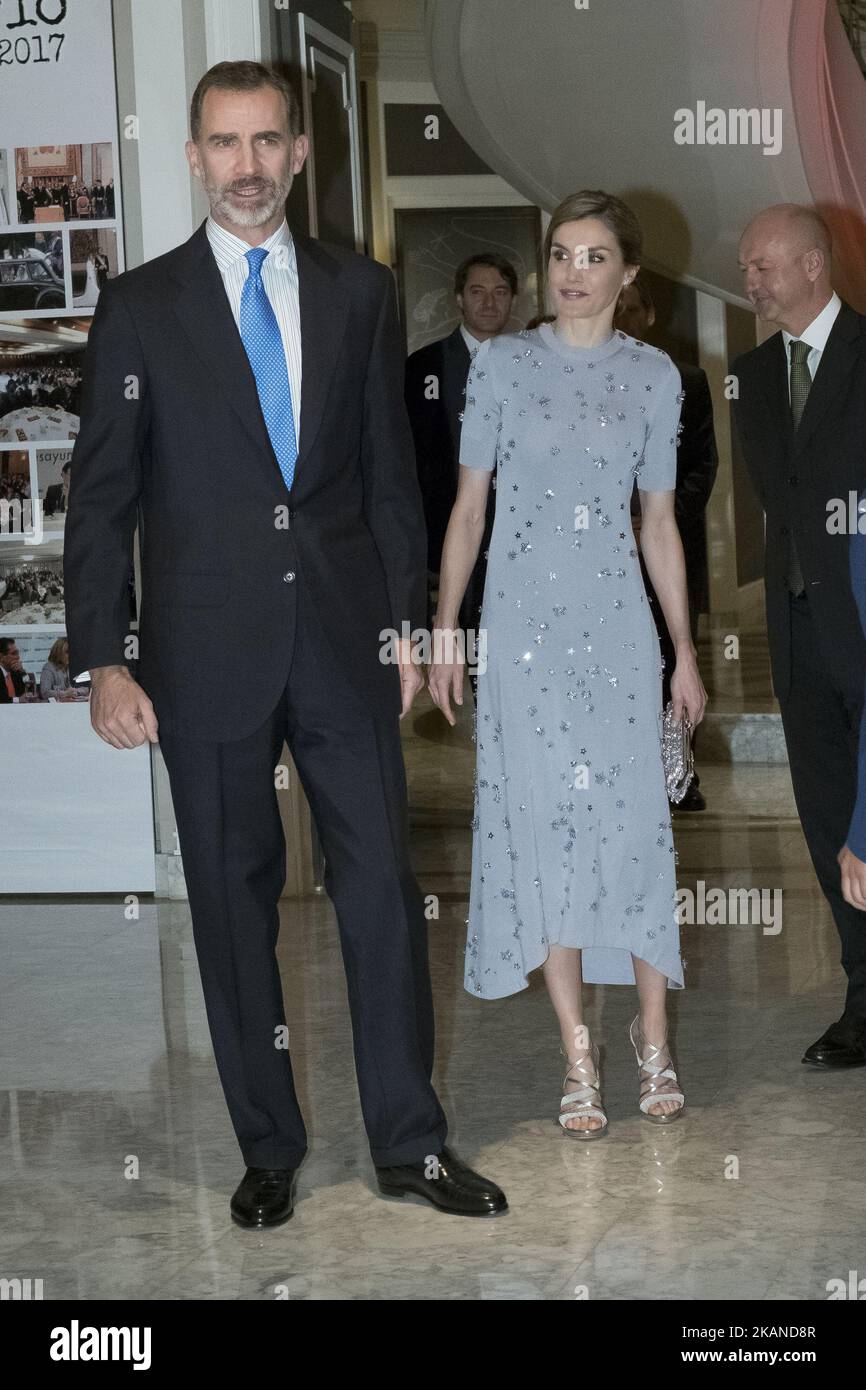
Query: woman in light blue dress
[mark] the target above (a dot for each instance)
(573, 865)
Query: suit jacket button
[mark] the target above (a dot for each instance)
(783, 530)
(289, 577)
(793, 478)
(292, 513)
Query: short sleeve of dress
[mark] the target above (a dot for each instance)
(658, 470)
(481, 415)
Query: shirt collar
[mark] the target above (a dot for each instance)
(469, 338)
(228, 248)
(818, 331)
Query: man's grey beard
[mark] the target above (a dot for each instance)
(253, 216)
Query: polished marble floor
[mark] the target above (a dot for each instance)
(117, 1157)
(736, 674)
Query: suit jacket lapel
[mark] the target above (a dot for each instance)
(324, 315)
(203, 309)
(833, 374)
(776, 387)
(455, 370)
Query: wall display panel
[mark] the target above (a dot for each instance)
(61, 239)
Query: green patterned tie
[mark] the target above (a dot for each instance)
(801, 382)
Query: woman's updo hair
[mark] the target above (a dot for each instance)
(616, 215)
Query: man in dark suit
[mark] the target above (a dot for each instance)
(12, 683)
(57, 495)
(26, 201)
(800, 414)
(485, 286)
(697, 465)
(200, 363)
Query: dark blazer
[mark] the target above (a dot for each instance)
(18, 683)
(697, 465)
(436, 426)
(172, 433)
(856, 840)
(53, 499)
(796, 475)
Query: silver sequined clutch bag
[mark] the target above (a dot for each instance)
(677, 755)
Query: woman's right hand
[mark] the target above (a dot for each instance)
(445, 675)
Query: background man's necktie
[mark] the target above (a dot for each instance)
(260, 333)
(801, 383)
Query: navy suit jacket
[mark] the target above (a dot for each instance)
(173, 436)
(856, 841)
(436, 425)
(435, 421)
(795, 475)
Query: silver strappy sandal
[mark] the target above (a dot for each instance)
(656, 1082)
(586, 1100)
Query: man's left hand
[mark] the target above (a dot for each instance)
(853, 878)
(411, 677)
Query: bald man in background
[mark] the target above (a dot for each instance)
(800, 416)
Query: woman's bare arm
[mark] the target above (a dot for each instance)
(459, 554)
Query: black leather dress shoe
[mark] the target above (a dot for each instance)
(841, 1046)
(264, 1198)
(451, 1186)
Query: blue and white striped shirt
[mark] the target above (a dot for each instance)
(280, 279)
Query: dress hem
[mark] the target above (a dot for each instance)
(673, 983)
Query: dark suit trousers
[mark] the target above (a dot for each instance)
(351, 766)
(822, 725)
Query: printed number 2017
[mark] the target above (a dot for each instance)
(30, 50)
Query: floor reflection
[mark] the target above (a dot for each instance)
(118, 1158)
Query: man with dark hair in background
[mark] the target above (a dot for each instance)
(485, 286)
(697, 464)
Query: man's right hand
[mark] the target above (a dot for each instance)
(120, 712)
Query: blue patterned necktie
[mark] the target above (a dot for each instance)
(260, 333)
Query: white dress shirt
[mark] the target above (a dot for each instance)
(815, 335)
(470, 340)
(280, 279)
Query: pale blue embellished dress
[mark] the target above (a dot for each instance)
(572, 840)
